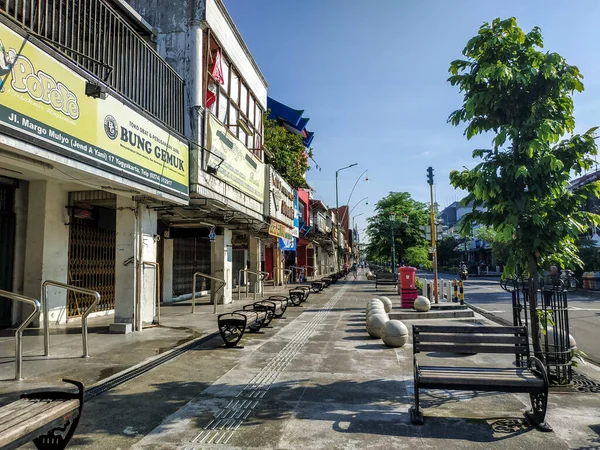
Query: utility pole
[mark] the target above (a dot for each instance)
(433, 235)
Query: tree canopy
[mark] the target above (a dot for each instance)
(409, 243)
(522, 95)
(286, 153)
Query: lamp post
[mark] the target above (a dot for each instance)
(393, 218)
(337, 208)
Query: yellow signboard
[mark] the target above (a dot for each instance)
(237, 166)
(280, 230)
(44, 101)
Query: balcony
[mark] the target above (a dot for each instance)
(96, 38)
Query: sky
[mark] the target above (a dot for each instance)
(372, 77)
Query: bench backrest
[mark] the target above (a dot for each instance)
(467, 339)
(385, 275)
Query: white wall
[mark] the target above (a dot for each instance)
(232, 42)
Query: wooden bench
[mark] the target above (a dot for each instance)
(49, 418)
(326, 281)
(385, 279)
(317, 286)
(299, 295)
(471, 340)
(233, 325)
(281, 302)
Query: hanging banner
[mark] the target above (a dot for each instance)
(45, 103)
(237, 166)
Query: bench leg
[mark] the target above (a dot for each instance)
(232, 331)
(59, 437)
(416, 413)
(537, 414)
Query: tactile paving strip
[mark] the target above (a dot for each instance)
(220, 429)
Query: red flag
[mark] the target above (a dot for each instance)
(217, 73)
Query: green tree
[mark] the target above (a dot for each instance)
(523, 96)
(286, 153)
(500, 245)
(448, 253)
(407, 233)
(418, 256)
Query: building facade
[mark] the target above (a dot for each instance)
(89, 146)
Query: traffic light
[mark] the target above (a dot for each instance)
(430, 175)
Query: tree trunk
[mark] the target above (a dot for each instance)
(535, 321)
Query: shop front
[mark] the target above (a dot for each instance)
(80, 169)
(281, 212)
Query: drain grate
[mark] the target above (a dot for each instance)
(580, 383)
(583, 383)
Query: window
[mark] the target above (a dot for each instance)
(236, 106)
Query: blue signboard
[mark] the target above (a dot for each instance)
(287, 244)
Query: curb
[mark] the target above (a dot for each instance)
(489, 315)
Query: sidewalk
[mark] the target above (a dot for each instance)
(315, 380)
(109, 353)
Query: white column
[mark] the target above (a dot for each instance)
(125, 276)
(47, 246)
(254, 248)
(167, 269)
(148, 293)
(221, 258)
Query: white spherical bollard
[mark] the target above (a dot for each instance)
(378, 310)
(387, 303)
(373, 303)
(422, 304)
(394, 333)
(375, 324)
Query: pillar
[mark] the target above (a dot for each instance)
(278, 263)
(125, 276)
(167, 270)
(149, 294)
(255, 257)
(47, 246)
(221, 258)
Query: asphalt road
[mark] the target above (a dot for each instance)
(584, 309)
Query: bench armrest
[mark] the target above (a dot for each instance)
(416, 367)
(537, 367)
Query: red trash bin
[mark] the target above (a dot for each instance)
(407, 277)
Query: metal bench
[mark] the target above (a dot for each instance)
(471, 340)
(281, 304)
(299, 295)
(49, 418)
(317, 286)
(385, 279)
(326, 281)
(233, 325)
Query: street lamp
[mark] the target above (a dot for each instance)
(337, 208)
(393, 218)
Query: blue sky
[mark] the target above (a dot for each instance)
(372, 78)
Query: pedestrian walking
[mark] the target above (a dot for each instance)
(354, 269)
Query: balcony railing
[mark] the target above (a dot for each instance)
(98, 39)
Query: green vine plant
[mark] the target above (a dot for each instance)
(286, 153)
